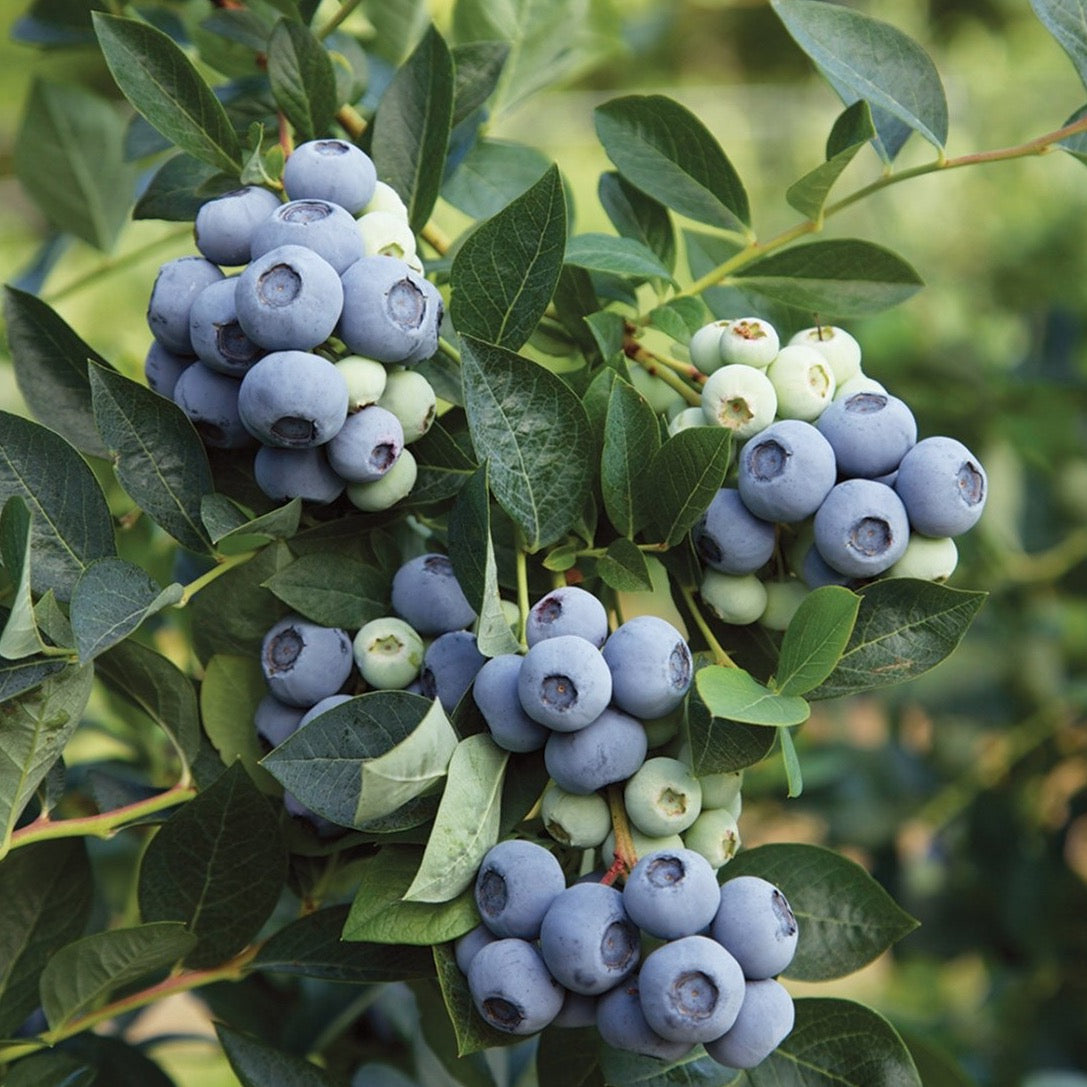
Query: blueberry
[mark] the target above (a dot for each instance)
(714, 835)
(320, 226)
(388, 653)
(304, 662)
(650, 664)
(816, 573)
(869, 433)
(738, 599)
(275, 720)
(691, 989)
(750, 341)
(578, 822)
(943, 487)
(412, 399)
(685, 419)
(495, 693)
(210, 400)
(367, 445)
(511, 987)
(176, 286)
(786, 471)
(366, 380)
(293, 400)
(765, 1020)
(224, 226)
(783, 598)
(932, 558)
(466, 946)
(387, 234)
(283, 474)
(837, 346)
(729, 538)
(384, 493)
(756, 924)
(587, 940)
(216, 336)
(622, 1024)
(663, 797)
(643, 844)
(289, 299)
(516, 883)
(332, 170)
(803, 380)
(567, 610)
(609, 749)
(672, 893)
(861, 528)
(578, 1010)
(162, 368)
(329, 702)
(564, 683)
(740, 398)
(705, 347)
(450, 663)
(426, 593)
(386, 198)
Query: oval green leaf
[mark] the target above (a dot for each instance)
(257, 1064)
(736, 695)
(682, 478)
(631, 441)
(815, 639)
(1066, 20)
(616, 256)
(302, 80)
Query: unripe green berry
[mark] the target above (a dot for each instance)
(932, 558)
(386, 234)
(388, 653)
(386, 198)
(719, 790)
(685, 419)
(366, 379)
(837, 346)
(782, 600)
(385, 492)
(734, 598)
(581, 822)
(859, 383)
(740, 398)
(663, 797)
(715, 835)
(705, 347)
(659, 730)
(750, 341)
(411, 398)
(803, 380)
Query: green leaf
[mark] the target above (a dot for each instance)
(683, 476)
(624, 567)
(157, 687)
(1076, 145)
(71, 523)
(904, 628)
(837, 1043)
(1066, 20)
(471, 551)
(863, 57)
(110, 600)
(851, 131)
(615, 255)
(332, 590)
(229, 695)
(631, 441)
(179, 188)
(117, 1062)
(69, 155)
(505, 272)
(570, 1057)
(638, 216)
(35, 730)
(815, 639)
(380, 915)
(794, 777)
(694, 1070)
(846, 919)
(302, 80)
(161, 82)
(679, 318)
(50, 1070)
(841, 276)
(158, 456)
(412, 125)
(734, 694)
(467, 823)
(46, 890)
(664, 150)
(51, 369)
(20, 637)
(477, 66)
(80, 977)
(937, 1068)
(493, 173)
(398, 25)
(532, 429)
(228, 524)
(313, 947)
(719, 746)
(473, 1034)
(257, 1064)
(218, 865)
(18, 677)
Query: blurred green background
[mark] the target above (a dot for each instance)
(964, 792)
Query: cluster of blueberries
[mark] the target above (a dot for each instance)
(305, 353)
(830, 454)
(670, 961)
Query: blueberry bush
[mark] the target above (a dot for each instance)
(427, 596)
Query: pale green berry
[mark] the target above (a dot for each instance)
(739, 398)
(663, 797)
(661, 396)
(581, 822)
(859, 383)
(750, 341)
(385, 492)
(388, 653)
(659, 730)
(386, 234)
(796, 549)
(782, 600)
(705, 347)
(804, 382)
(837, 346)
(715, 835)
(411, 398)
(365, 379)
(685, 419)
(386, 198)
(643, 844)
(719, 790)
(932, 558)
(734, 598)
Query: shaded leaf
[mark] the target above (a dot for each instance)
(618, 256)
(493, 173)
(226, 522)
(815, 639)
(683, 477)
(719, 746)
(257, 1064)
(301, 77)
(694, 1070)
(624, 567)
(679, 318)
(477, 66)
(1066, 20)
(178, 189)
(332, 590)
(631, 440)
(229, 695)
(20, 636)
(638, 216)
(735, 695)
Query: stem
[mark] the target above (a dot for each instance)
(647, 361)
(684, 369)
(346, 9)
(1043, 567)
(353, 122)
(522, 593)
(286, 140)
(449, 350)
(626, 856)
(436, 238)
(209, 576)
(715, 647)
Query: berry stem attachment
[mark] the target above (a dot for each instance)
(649, 362)
(353, 122)
(523, 604)
(625, 854)
(715, 647)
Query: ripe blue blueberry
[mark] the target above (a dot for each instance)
(672, 893)
(275, 720)
(869, 433)
(210, 400)
(651, 666)
(162, 368)
(511, 987)
(609, 749)
(450, 663)
(289, 299)
(325, 228)
(466, 946)
(587, 940)
(426, 593)
(367, 445)
(765, 1020)
(224, 226)
(622, 1024)
(293, 400)
(176, 286)
(332, 170)
(495, 693)
(567, 610)
(283, 474)
(564, 683)
(861, 528)
(216, 336)
(729, 538)
(943, 487)
(786, 471)
(516, 883)
(756, 924)
(304, 662)
(691, 989)
(816, 573)
(578, 1010)
(329, 702)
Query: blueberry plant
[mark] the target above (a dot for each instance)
(439, 582)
